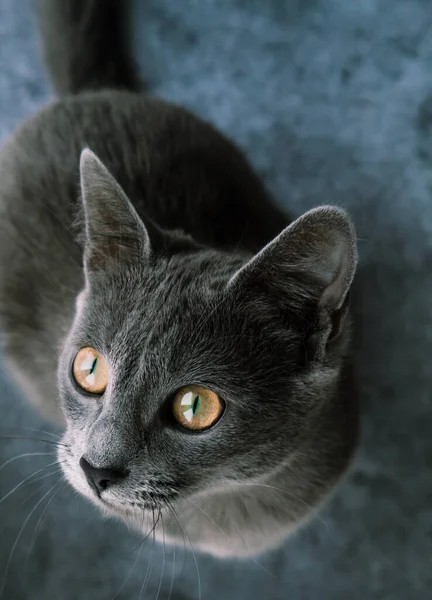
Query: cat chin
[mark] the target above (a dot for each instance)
(132, 516)
(122, 512)
(223, 535)
(222, 527)
(210, 537)
(108, 506)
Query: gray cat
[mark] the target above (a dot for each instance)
(195, 344)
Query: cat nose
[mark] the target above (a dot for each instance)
(100, 479)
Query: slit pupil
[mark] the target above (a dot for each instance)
(195, 405)
(93, 367)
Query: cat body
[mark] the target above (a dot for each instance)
(130, 226)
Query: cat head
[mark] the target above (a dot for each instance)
(189, 369)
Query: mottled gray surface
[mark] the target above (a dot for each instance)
(333, 102)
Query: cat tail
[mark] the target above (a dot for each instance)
(86, 45)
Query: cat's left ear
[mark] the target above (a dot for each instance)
(115, 234)
(307, 271)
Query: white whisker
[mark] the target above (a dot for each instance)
(27, 479)
(191, 547)
(20, 534)
(8, 462)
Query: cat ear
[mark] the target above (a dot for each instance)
(114, 231)
(308, 267)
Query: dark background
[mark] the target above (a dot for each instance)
(332, 100)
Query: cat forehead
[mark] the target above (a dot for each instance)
(151, 314)
(150, 297)
(182, 286)
(205, 269)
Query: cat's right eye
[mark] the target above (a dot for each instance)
(90, 371)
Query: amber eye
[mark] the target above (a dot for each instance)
(197, 407)
(90, 370)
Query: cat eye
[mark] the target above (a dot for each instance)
(197, 407)
(90, 371)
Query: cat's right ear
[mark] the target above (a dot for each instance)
(307, 270)
(114, 232)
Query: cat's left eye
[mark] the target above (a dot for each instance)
(197, 408)
(90, 371)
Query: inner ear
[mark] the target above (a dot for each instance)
(114, 231)
(307, 270)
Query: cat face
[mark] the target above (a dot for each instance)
(165, 322)
(161, 336)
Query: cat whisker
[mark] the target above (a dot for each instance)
(27, 454)
(149, 533)
(141, 547)
(26, 437)
(184, 544)
(205, 514)
(296, 497)
(184, 555)
(54, 435)
(172, 509)
(150, 565)
(148, 573)
(163, 557)
(40, 521)
(20, 505)
(173, 570)
(17, 487)
(54, 472)
(256, 562)
(8, 563)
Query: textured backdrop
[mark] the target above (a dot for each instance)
(332, 100)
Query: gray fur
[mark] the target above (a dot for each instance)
(86, 45)
(129, 225)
